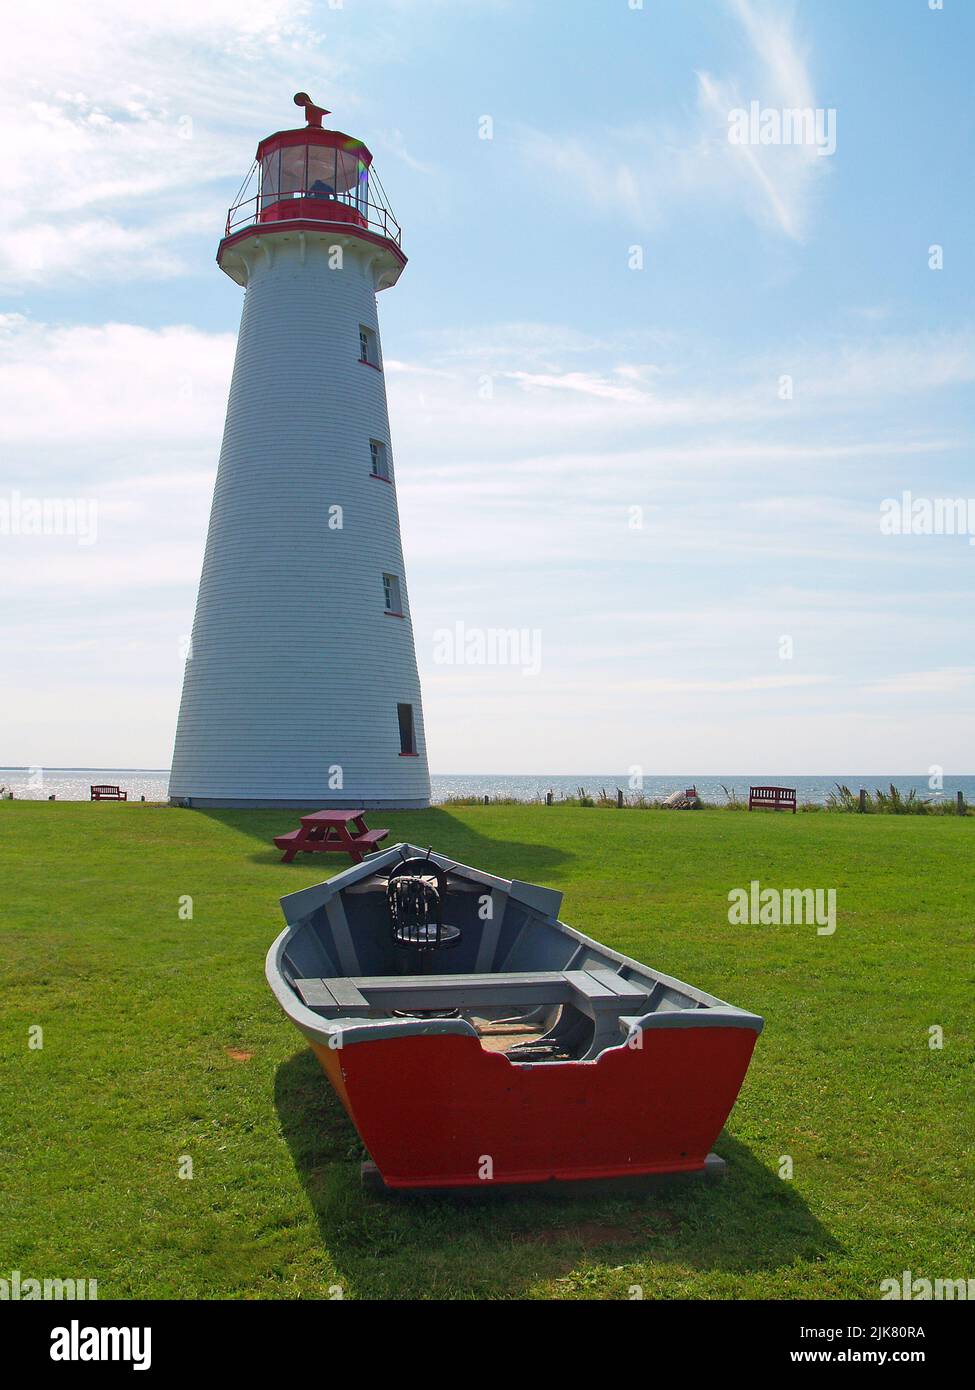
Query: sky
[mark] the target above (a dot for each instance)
(651, 380)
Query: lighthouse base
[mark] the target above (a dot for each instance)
(356, 803)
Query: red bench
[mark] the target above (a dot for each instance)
(108, 794)
(331, 832)
(774, 798)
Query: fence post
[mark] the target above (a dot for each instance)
(486, 799)
(548, 798)
(619, 798)
(863, 800)
(961, 803)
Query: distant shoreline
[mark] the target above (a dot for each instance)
(73, 784)
(568, 776)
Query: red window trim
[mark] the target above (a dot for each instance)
(390, 614)
(363, 362)
(379, 478)
(409, 755)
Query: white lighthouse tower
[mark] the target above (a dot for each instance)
(301, 686)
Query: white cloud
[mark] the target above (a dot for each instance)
(567, 403)
(108, 384)
(582, 383)
(891, 365)
(657, 165)
(551, 463)
(128, 420)
(739, 685)
(514, 513)
(944, 680)
(118, 122)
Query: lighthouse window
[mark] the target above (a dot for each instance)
(321, 172)
(293, 170)
(407, 737)
(380, 465)
(348, 169)
(368, 351)
(270, 182)
(391, 594)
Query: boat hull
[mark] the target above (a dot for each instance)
(441, 1111)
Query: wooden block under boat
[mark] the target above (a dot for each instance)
(715, 1168)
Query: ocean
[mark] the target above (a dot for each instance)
(73, 783)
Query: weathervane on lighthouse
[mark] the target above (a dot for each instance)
(313, 113)
(301, 686)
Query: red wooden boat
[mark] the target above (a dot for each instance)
(474, 1038)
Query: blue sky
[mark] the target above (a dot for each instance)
(544, 395)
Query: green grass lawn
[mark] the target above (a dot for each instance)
(161, 1040)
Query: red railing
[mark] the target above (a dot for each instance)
(336, 209)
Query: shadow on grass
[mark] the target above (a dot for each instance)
(484, 1244)
(436, 826)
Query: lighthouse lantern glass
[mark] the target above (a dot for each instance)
(270, 178)
(294, 163)
(316, 171)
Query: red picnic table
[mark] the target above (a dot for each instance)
(331, 832)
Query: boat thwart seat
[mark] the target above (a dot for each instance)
(601, 995)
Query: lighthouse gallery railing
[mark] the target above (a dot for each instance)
(340, 209)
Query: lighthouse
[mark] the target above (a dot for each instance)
(301, 686)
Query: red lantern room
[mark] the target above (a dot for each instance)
(311, 179)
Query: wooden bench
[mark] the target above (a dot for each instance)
(370, 840)
(108, 793)
(774, 798)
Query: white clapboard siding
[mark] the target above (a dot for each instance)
(295, 667)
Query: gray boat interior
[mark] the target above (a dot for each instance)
(528, 985)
